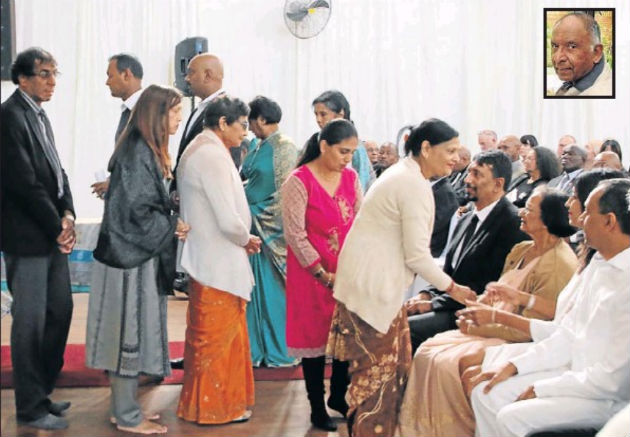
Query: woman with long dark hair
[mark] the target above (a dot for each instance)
(319, 202)
(126, 329)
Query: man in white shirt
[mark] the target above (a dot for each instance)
(124, 79)
(578, 376)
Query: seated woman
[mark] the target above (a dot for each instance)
(540, 268)
(534, 329)
(541, 165)
(218, 377)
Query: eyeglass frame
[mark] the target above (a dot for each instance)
(45, 74)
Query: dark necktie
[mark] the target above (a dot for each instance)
(470, 231)
(124, 118)
(51, 152)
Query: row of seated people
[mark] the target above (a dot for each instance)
(574, 362)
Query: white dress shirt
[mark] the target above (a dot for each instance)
(213, 203)
(592, 341)
(387, 244)
(131, 101)
(199, 110)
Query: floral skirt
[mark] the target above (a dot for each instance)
(378, 368)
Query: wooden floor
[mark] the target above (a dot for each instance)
(281, 406)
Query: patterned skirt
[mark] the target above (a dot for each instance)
(378, 367)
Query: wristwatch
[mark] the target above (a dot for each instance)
(318, 274)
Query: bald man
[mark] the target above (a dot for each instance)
(205, 79)
(563, 142)
(577, 55)
(607, 160)
(511, 146)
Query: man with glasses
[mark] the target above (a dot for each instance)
(37, 236)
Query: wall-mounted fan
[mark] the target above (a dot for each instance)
(306, 18)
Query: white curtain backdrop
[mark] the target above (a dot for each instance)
(477, 64)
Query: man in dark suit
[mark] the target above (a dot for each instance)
(458, 177)
(205, 79)
(481, 241)
(37, 236)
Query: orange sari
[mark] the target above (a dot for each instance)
(218, 376)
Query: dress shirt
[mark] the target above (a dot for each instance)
(482, 214)
(213, 203)
(131, 101)
(199, 109)
(592, 342)
(49, 141)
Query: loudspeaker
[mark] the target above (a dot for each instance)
(184, 51)
(7, 38)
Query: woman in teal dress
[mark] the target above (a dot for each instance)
(270, 159)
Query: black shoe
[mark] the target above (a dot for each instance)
(323, 421)
(339, 406)
(57, 408)
(47, 422)
(177, 363)
(181, 282)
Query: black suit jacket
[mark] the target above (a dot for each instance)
(31, 211)
(483, 259)
(445, 206)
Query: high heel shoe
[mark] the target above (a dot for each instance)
(323, 421)
(339, 406)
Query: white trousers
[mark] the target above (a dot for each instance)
(498, 415)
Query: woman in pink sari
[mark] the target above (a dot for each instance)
(319, 201)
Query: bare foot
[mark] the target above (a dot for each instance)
(147, 416)
(144, 427)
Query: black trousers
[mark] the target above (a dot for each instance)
(42, 311)
(424, 326)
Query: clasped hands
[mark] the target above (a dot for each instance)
(479, 311)
(253, 245)
(67, 237)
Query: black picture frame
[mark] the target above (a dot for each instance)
(546, 45)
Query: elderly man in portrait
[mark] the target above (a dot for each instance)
(578, 58)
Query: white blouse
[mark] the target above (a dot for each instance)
(387, 244)
(212, 201)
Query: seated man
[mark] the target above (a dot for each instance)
(577, 377)
(481, 241)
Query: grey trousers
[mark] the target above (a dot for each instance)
(124, 400)
(42, 311)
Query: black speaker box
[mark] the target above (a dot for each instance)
(7, 37)
(184, 51)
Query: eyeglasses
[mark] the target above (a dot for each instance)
(45, 74)
(245, 124)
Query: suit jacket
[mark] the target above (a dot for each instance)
(482, 261)
(457, 180)
(31, 211)
(445, 206)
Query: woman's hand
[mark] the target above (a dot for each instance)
(253, 245)
(505, 293)
(418, 305)
(181, 231)
(477, 313)
(461, 293)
